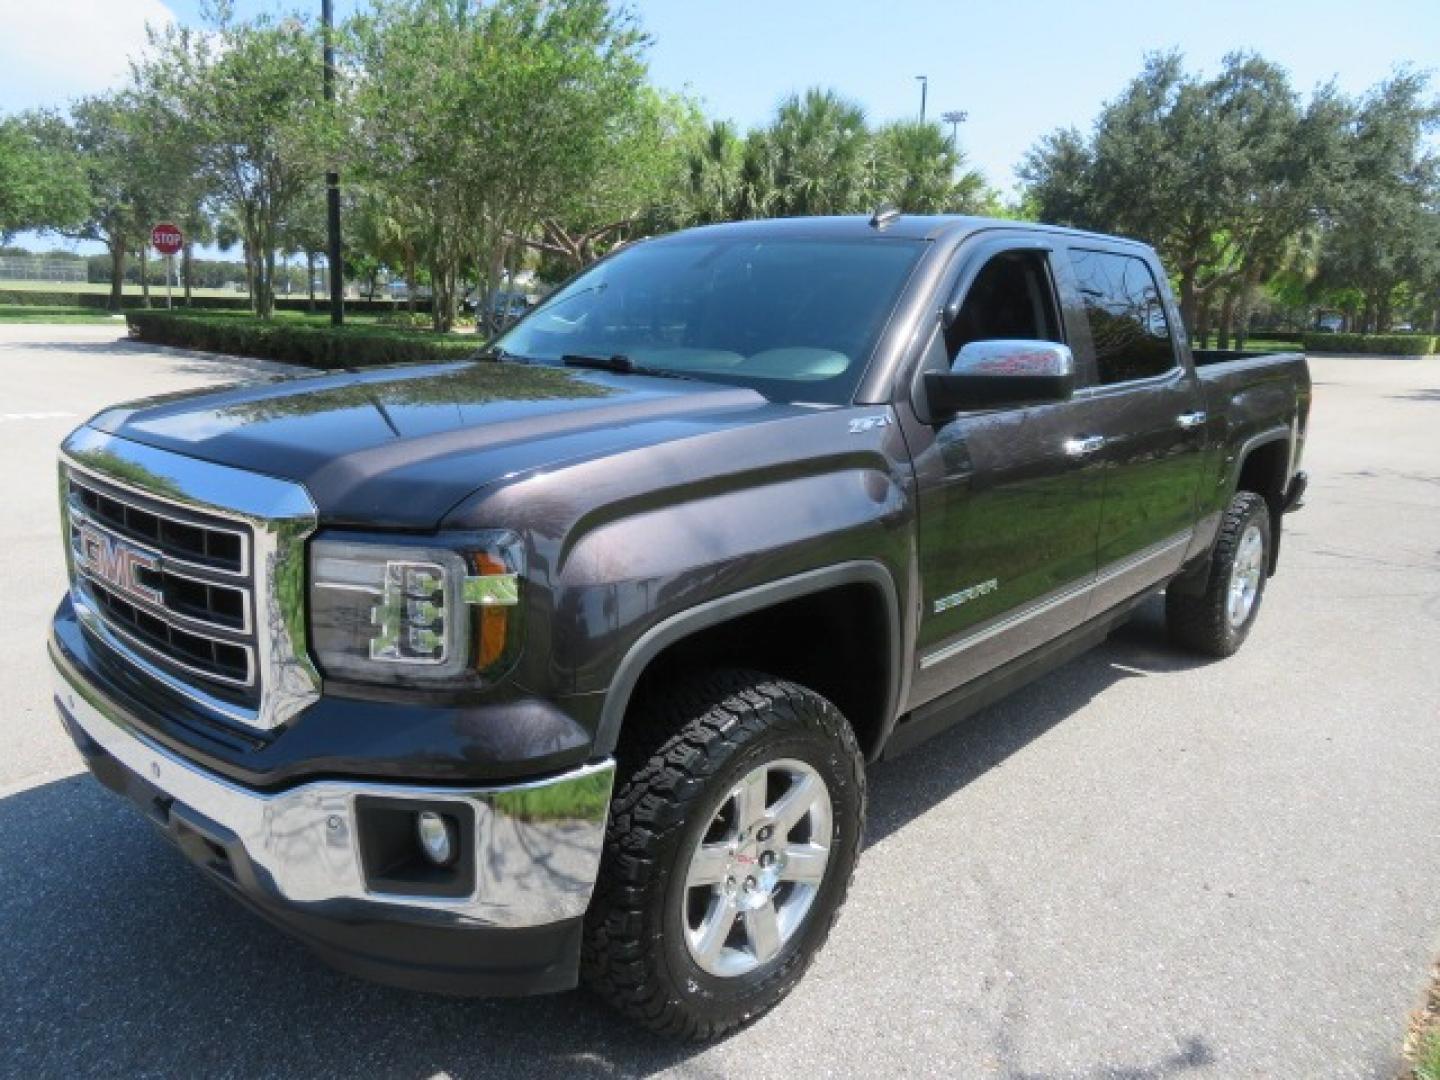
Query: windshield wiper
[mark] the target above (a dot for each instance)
(620, 364)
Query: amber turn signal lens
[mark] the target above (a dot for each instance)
(493, 621)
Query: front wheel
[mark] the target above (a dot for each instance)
(728, 855)
(1217, 621)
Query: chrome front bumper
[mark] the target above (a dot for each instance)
(538, 843)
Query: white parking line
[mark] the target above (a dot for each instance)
(36, 416)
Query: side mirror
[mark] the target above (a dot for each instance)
(990, 374)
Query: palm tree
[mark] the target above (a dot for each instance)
(821, 152)
(921, 171)
(714, 167)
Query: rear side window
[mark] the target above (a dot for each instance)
(1126, 313)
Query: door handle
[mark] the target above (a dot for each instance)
(1084, 446)
(1191, 419)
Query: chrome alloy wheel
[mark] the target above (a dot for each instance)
(1245, 575)
(759, 864)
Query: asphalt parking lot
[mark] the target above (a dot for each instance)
(1140, 867)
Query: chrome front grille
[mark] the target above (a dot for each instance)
(170, 582)
(191, 574)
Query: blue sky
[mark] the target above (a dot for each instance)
(1020, 68)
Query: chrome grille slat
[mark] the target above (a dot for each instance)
(174, 656)
(171, 613)
(174, 554)
(151, 592)
(267, 520)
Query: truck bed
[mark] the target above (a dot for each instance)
(1255, 391)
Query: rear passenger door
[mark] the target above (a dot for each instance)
(1149, 422)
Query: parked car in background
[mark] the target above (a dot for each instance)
(504, 305)
(570, 660)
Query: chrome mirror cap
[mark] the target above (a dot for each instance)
(997, 374)
(1015, 357)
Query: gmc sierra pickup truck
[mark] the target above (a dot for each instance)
(567, 662)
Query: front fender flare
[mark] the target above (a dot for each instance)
(724, 608)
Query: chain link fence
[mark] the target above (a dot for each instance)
(29, 268)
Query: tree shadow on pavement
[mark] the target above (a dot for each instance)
(907, 787)
(120, 959)
(186, 361)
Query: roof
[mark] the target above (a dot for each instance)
(904, 227)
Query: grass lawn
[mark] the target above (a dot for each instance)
(11, 314)
(1422, 1048)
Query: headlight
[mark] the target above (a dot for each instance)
(439, 613)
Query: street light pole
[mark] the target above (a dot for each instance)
(332, 179)
(924, 81)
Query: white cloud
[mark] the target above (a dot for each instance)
(52, 51)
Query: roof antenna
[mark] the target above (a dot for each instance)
(883, 216)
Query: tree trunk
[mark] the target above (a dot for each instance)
(145, 273)
(310, 281)
(1188, 298)
(117, 273)
(249, 272)
(187, 269)
(410, 279)
(1242, 312)
(1202, 323)
(1227, 318)
(267, 285)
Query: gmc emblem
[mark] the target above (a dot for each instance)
(118, 564)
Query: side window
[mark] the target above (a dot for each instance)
(1011, 297)
(1126, 314)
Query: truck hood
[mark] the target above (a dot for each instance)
(397, 448)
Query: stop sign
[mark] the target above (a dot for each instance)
(166, 238)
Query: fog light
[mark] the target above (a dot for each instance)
(437, 837)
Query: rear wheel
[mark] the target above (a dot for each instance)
(728, 854)
(1217, 621)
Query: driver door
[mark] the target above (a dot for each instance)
(1009, 511)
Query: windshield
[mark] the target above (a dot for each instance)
(794, 318)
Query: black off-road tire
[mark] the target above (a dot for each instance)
(703, 735)
(1201, 622)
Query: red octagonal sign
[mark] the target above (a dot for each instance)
(166, 238)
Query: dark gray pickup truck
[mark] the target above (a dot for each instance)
(568, 661)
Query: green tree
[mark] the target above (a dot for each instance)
(483, 121)
(1215, 173)
(42, 177)
(1382, 234)
(923, 172)
(107, 135)
(248, 96)
(713, 164)
(818, 156)
(639, 183)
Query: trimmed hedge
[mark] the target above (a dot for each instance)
(321, 347)
(1376, 344)
(62, 298)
